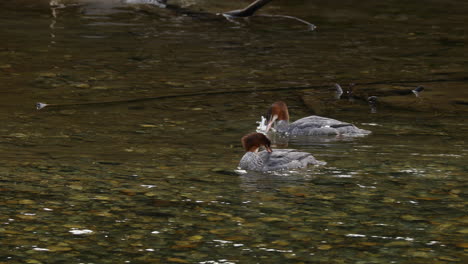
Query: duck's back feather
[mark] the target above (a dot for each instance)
(286, 159)
(317, 125)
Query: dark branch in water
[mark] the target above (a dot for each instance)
(41, 105)
(246, 12)
(249, 10)
(460, 102)
(230, 15)
(254, 7)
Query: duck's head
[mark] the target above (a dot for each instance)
(253, 141)
(277, 111)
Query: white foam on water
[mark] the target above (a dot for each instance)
(80, 231)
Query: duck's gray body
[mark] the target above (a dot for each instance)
(279, 159)
(319, 126)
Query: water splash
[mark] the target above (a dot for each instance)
(262, 126)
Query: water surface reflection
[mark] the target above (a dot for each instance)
(153, 181)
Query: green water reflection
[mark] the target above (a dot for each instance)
(154, 181)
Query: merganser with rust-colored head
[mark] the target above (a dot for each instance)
(278, 117)
(269, 160)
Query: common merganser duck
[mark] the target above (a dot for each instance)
(269, 160)
(278, 117)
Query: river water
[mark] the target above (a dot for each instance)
(136, 162)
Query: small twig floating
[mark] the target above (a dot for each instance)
(41, 105)
(254, 7)
(311, 26)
